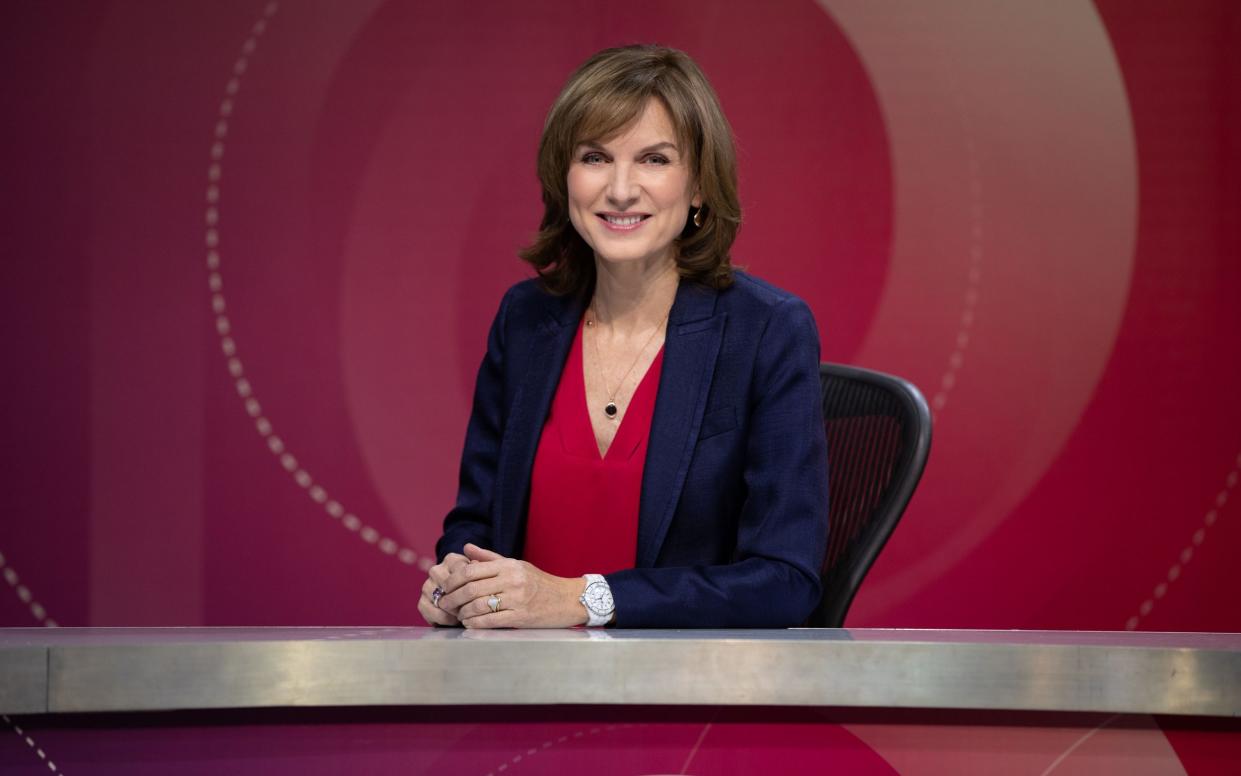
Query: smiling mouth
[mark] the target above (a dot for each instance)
(622, 221)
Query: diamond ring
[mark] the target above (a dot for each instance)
(436, 595)
(494, 603)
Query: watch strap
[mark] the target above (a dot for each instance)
(597, 598)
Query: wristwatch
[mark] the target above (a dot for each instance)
(597, 598)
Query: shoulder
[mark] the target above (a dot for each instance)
(755, 288)
(527, 303)
(525, 294)
(755, 299)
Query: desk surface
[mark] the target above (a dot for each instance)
(143, 669)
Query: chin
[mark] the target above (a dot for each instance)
(620, 258)
(635, 256)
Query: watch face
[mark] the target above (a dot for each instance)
(598, 598)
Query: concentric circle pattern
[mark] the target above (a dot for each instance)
(228, 342)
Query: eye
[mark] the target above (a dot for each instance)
(658, 160)
(593, 157)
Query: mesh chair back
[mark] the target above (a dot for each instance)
(878, 440)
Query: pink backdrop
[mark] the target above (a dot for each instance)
(251, 252)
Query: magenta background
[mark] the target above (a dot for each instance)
(1029, 212)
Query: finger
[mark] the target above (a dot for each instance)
(482, 605)
(452, 610)
(441, 571)
(430, 614)
(429, 590)
(434, 616)
(470, 573)
(476, 553)
(468, 592)
(505, 618)
(473, 608)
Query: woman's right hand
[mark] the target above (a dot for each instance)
(436, 577)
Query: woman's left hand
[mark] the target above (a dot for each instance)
(528, 597)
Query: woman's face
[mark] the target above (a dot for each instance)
(630, 195)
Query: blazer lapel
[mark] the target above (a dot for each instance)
(691, 346)
(531, 403)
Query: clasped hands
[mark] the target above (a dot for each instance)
(527, 597)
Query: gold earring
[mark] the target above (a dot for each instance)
(698, 218)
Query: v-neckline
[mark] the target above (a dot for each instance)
(584, 406)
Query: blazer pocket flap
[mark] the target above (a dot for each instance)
(717, 422)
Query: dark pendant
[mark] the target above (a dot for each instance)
(610, 410)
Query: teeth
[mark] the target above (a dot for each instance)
(626, 221)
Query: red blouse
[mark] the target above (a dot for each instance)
(583, 516)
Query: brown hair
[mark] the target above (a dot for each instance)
(601, 98)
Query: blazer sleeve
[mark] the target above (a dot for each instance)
(470, 519)
(773, 580)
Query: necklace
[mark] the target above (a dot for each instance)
(610, 408)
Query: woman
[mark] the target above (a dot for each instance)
(646, 444)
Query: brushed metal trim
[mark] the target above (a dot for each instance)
(96, 670)
(23, 680)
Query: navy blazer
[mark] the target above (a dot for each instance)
(732, 522)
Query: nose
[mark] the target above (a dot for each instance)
(622, 189)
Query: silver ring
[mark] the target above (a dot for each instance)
(494, 603)
(436, 595)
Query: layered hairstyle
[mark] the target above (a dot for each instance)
(603, 97)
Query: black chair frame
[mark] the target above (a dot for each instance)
(876, 476)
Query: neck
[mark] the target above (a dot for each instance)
(631, 296)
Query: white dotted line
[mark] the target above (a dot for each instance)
(51, 766)
(974, 277)
(1073, 747)
(697, 745)
(1199, 536)
(1161, 589)
(36, 609)
(223, 326)
(548, 744)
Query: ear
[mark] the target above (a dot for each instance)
(696, 201)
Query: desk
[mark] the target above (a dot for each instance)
(275, 699)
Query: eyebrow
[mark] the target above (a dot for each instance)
(595, 146)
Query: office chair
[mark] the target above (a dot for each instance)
(878, 440)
